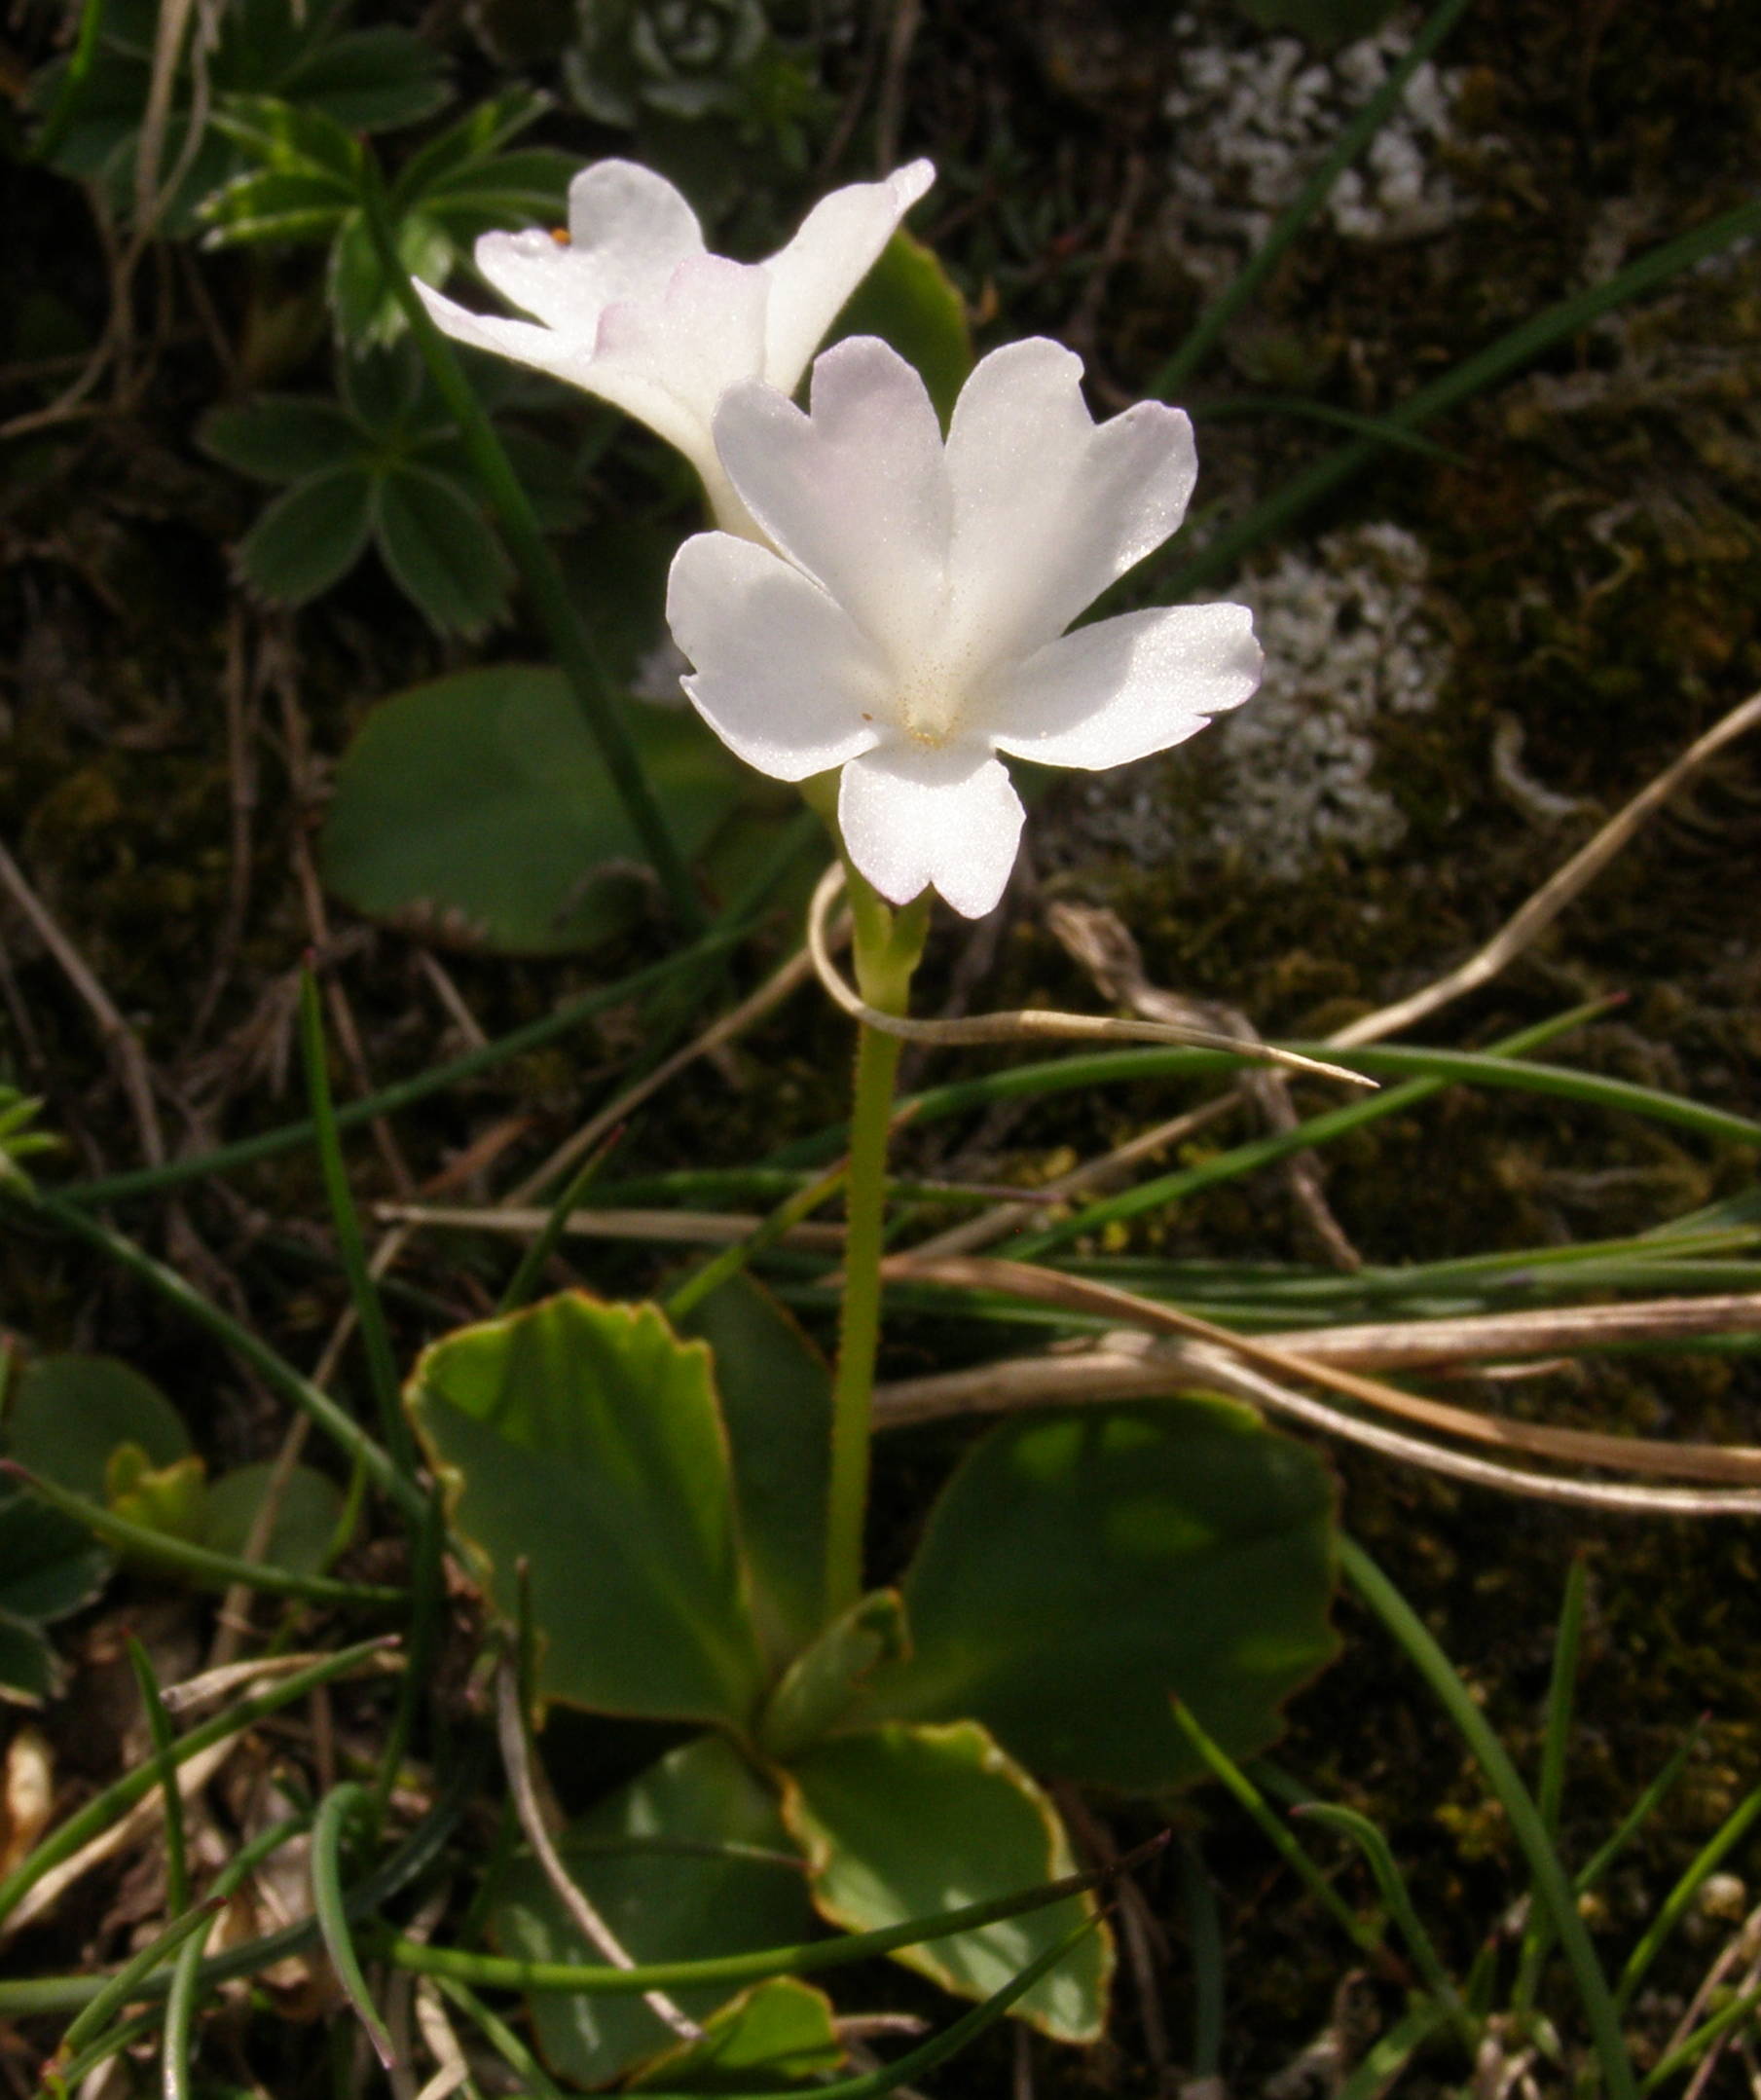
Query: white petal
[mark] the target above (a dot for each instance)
(855, 493)
(1050, 508)
(629, 229)
(669, 360)
(632, 226)
(525, 342)
(783, 677)
(1126, 687)
(834, 251)
(945, 815)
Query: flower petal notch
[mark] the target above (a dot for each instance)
(631, 305)
(909, 624)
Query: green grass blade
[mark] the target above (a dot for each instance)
(1216, 318)
(1257, 1153)
(1385, 2060)
(103, 1810)
(1676, 1903)
(339, 1807)
(1398, 1899)
(939, 2048)
(1204, 1950)
(165, 1742)
(1522, 346)
(274, 1369)
(501, 1972)
(1551, 1790)
(1276, 1832)
(1552, 1888)
(200, 1563)
(530, 1266)
(406, 1093)
(1640, 1813)
(369, 1308)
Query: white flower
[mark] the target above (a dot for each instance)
(631, 307)
(912, 624)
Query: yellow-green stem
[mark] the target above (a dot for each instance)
(886, 947)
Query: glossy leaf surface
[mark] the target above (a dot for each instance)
(1081, 1567)
(584, 1441)
(899, 1822)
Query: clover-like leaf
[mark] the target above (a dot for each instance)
(437, 542)
(310, 536)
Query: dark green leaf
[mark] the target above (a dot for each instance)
(463, 148)
(899, 1822)
(69, 1412)
(308, 1511)
(49, 1564)
(584, 1439)
(362, 304)
(478, 808)
(687, 1862)
(294, 141)
(279, 437)
(29, 1673)
(373, 80)
(775, 1394)
(274, 205)
(1079, 1568)
(309, 537)
(437, 543)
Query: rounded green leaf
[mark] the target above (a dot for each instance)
(673, 1863)
(279, 437)
(584, 1441)
(308, 1511)
(49, 1564)
(309, 537)
(477, 810)
(437, 543)
(70, 1412)
(1078, 1568)
(899, 1822)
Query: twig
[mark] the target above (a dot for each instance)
(118, 1037)
(510, 1732)
(685, 1227)
(1518, 931)
(1202, 1340)
(1029, 1024)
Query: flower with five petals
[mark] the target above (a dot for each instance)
(911, 624)
(631, 305)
